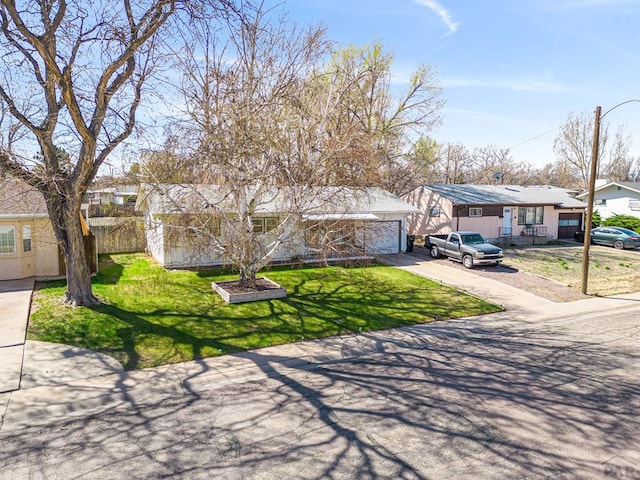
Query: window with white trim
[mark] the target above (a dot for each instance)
(26, 238)
(634, 205)
(475, 211)
(434, 211)
(7, 239)
(530, 215)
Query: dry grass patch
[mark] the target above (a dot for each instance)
(611, 271)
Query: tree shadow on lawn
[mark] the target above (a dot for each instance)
(138, 330)
(110, 270)
(151, 338)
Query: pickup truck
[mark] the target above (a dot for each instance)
(470, 248)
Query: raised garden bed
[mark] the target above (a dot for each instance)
(231, 292)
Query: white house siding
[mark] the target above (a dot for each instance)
(154, 230)
(387, 236)
(615, 203)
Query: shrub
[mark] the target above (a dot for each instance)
(626, 221)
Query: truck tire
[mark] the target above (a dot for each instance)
(467, 261)
(434, 252)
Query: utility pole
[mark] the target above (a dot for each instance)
(592, 188)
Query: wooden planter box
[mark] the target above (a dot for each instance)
(231, 293)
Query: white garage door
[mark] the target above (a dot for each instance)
(383, 237)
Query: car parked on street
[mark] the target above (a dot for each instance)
(616, 237)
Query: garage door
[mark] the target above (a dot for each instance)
(568, 224)
(383, 237)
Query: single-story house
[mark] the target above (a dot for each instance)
(28, 247)
(615, 198)
(496, 211)
(339, 223)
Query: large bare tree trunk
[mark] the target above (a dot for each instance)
(64, 212)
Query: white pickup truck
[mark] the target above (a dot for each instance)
(470, 248)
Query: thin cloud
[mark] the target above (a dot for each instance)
(442, 12)
(515, 84)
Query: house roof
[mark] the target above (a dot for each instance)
(19, 199)
(464, 194)
(173, 198)
(633, 186)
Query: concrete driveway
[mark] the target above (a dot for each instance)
(15, 303)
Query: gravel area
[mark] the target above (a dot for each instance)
(539, 286)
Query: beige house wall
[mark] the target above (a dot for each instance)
(488, 227)
(41, 261)
(421, 224)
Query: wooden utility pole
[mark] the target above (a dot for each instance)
(590, 200)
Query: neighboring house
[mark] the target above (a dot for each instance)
(496, 211)
(362, 224)
(615, 198)
(28, 247)
(118, 195)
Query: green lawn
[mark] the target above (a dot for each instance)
(151, 316)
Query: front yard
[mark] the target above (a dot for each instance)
(151, 316)
(611, 271)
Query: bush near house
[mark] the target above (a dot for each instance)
(152, 316)
(626, 221)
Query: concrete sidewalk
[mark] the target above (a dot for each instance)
(15, 303)
(91, 384)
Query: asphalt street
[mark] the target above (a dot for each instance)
(483, 398)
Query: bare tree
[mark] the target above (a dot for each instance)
(573, 148)
(454, 164)
(385, 128)
(492, 165)
(619, 165)
(73, 75)
(257, 119)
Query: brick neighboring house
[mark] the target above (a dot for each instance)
(28, 245)
(498, 212)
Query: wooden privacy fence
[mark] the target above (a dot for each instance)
(118, 234)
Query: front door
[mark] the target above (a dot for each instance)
(507, 218)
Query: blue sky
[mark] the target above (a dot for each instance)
(511, 70)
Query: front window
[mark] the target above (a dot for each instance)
(7, 239)
(434, 211)
(475, 212)
(264, 224)
(530, 215)
(26, 238)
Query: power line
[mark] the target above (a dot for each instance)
(535, 138)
